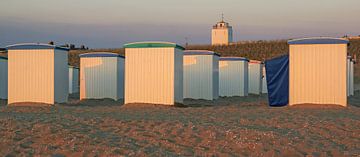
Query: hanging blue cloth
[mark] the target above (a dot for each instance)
(277, 75)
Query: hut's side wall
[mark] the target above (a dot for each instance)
(71, 75)
(73, 80)
(3, 78)
(255, 78)
(199, 76)
(150, 75)
(121, 77)
(215, 77)
(264, 83)
(318, 74)
(351, 78)
(61, 73)
(233, 78)
(31, 76)
(98, 78)
(178, 76)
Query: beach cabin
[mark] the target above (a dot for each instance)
(102, 76)
(3, 77)
(317, 71)
(73, 80)
(233, 76)
(37, 73)
(255, 77)
(350, 76)
(201, 74)
(264, 83)
(154, 73)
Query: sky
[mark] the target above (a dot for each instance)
(112, 23)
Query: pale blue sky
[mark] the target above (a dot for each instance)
(111, 23)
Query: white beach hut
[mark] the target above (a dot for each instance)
(154, 73)
(101, 76)
(201, 74)
(255, 76)
(73, 80)
(350, 76)
(264, 83)
(37, 73)
(317, 71)
(3, 77)
(233, 76)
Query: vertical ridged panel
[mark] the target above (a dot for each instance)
(255, 78)
(199, 77)
(215, 80)
(31, 76)
(121, 77)
(3, 78)
(61, 78)
(178, 76)
(98, 78)
(233, 78)
(318, 74)
(351, 78)
(264, 83)
(73, 80)
(150, 75)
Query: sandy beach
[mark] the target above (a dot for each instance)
(226, 127)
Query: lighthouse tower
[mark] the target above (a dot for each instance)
(222, 33)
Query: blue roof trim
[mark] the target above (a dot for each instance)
(1, 57)
(34, 46)
(233, 59)
(308, 41)
(200, 52)
(101, 54)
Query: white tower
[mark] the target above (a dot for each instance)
(221, 33)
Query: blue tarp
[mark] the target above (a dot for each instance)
(277, 75)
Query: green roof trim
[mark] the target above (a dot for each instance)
(153, 45)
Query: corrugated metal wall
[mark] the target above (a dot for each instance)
(201, 77)
(73, 80)
(318, 74)
(121, 77)
(99, 78)
(215, 77)
(350, 77)
(264, 83)
(255, 78)
(179, 76)
(61, 79)
(3, 79)
(153, 75)
(233, 78)
(31, 76)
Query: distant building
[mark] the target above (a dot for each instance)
(221, 34)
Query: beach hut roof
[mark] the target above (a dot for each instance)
(100, 54)
(256, 61)
(200, 52)
(70, 66)
(34, 46)
(153, 44)
(233, 59)
(318, 40)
